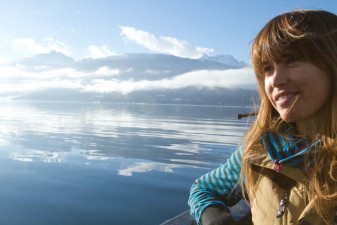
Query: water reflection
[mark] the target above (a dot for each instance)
(142, 167)
(162, 138)
(72, 163)
(44, 156)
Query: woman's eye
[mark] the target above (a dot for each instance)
(268, 69)
(290, 60)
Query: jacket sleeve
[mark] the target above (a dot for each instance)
(218, 187)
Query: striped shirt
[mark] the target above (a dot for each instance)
(222, 186)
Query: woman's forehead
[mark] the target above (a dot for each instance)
(266, 53)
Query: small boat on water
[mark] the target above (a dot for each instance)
(240, 213)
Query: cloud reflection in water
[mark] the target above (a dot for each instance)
(156, 138)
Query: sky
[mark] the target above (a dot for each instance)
(99, 28)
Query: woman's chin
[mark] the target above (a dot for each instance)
(289, 117)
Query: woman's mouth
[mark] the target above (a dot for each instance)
(285, 99)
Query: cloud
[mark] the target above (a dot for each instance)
(168, 45)
(3, 60)
(21, 75)
(31, 86)
(17, 80)
(99, 51)
(233, 78)
(106, 80)
(29, 46)
(105, 71)
(21, 81)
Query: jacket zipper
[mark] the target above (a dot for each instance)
(283, 204)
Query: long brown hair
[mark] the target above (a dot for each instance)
(310, 36)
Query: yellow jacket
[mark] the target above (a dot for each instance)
(265, 203)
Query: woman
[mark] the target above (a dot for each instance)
(287, 165)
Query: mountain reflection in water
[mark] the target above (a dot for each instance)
(86, 163)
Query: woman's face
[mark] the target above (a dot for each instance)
(297, 90)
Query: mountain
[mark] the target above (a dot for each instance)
(136, 70)
(137, 66)
(142, 66)
(48, 61)
(226, 60)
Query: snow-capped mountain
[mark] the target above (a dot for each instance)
(137, 66)
(48, 61)
(226, 60)
(137, 77)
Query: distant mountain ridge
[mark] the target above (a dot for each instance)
(137, 67)
(140, 62)
(227, 60)
(141, 66)
(48, 61)
(186, 96)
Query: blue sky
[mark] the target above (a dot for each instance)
(98, 28)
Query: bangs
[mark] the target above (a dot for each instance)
(291, 35)
(279, 40)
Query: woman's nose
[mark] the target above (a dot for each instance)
(279, 76)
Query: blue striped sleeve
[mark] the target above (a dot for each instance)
(220, 186)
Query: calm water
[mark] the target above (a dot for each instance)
(75, 163)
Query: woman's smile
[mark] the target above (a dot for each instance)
(298, 91)
(286, 98)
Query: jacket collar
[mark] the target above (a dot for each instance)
(258, 156)
(287, 149)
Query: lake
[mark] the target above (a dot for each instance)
(86, 163)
